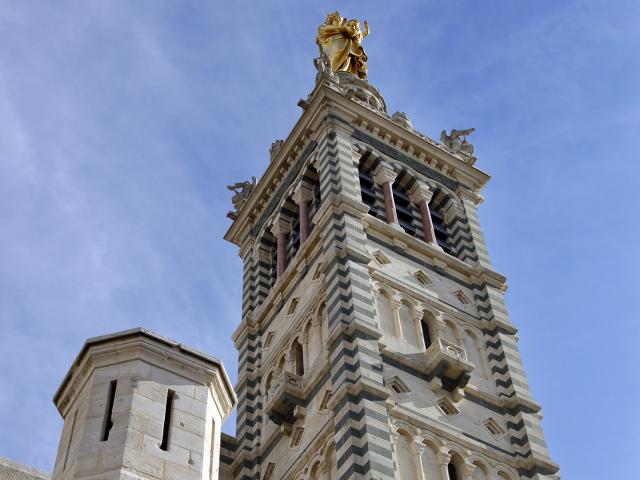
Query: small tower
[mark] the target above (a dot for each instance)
(138, 405)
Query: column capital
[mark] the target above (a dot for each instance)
(443, 456)
(419, 192)
(384, 173)
(302, 193)
(280, 224)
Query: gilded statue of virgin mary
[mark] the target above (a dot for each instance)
(340, 40)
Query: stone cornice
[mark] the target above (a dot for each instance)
(154, 349)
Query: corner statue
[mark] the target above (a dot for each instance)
(339, 40)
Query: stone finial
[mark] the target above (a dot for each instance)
(275, 148)
(401, 119)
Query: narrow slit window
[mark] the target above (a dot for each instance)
(422, 278)
(167, 421)
(397, 385)
(324, 404)
(212, 461)
(493, 427)
(293, 306)
(447, 407)
(269, 471)
(296, 438)
(269, 340)
(462, 297)
(107, 424)
(66, 454)
(318, 272)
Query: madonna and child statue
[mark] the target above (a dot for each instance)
(340, 40)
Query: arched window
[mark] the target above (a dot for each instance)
(385, 313)
(371, 193)
(426, 333)
(451, 470)
(438, 201)
(406, 459)
(430, 463)
(407, 324)
(449, 332)
(408, 214)
(314, 342)
(453, 467)
(297, 354)
(267, 384)
(474, 354)
(480, 473)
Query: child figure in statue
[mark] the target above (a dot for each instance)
(340, 40)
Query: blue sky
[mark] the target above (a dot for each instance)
(122, 122)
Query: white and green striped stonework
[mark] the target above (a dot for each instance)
(381, 347)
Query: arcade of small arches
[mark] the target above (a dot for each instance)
(303, 350)
(290, 226)
(420, 207)
(420, 455)
(420, 325)
(322, 466)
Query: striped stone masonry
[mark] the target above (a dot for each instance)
(375, 342)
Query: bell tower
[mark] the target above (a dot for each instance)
(374, 340)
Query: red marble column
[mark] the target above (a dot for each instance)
(385, 176)
(389, 203)
(421, 195)
(427, 224)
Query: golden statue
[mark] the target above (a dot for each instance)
(339, 40)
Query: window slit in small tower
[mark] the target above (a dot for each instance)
(167, 421)
(107, 424)
(212, 460)
(66, 454)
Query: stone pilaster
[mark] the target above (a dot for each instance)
(361, 429)
(470, 202)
